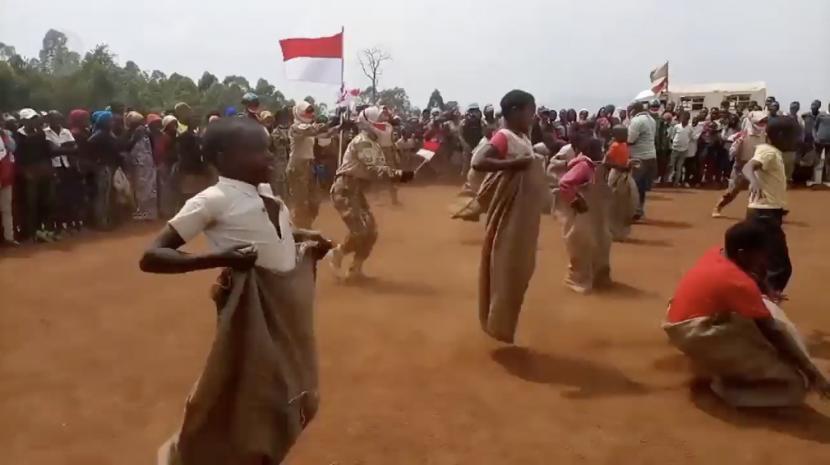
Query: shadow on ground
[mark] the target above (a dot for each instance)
(802, 422)
(586, 378)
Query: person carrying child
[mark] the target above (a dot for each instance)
(259, 387)
(624, 195)
(582, 207)
(513, 194)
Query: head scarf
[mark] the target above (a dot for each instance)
(152, 118)
(100, 118)
(78, 119)
(302, 113)
(757, 123)
(134, 117)
(167, 120)
(370, 115)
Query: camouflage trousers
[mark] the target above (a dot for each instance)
(390, 155)
(303, 192)
(347, 194)
(279, 179)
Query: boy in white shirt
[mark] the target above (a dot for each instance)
(768, 197)
(69, 188)
(681, 140)
(258, 390)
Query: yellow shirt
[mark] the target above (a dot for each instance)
(772, 178)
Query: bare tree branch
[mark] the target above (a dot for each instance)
(371, 61)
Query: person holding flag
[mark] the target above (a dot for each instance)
(302, 185)
(363, 163)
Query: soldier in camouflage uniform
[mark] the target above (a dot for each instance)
(304, 193)
(385, 139)
(281, 147)
(363, 162)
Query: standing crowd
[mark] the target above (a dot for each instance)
(251, 181)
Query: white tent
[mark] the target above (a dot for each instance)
(644, 95)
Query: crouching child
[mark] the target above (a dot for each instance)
(736, 337)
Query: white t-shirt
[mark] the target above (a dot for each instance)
(58, 139)
(681, 137)
(772, 177)
(232, 213)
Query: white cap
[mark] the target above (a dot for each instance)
(28, 113)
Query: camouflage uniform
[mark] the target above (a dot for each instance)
(302, 184)
(363, 162)
(280, 147)
(390, 156)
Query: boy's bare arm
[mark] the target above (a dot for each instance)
(163, 256)
(789, 349)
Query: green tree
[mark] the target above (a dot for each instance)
(396, 98)
(59, 78)
(206, 81)
(237, 81)
(55, 57)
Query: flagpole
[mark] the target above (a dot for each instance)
(342, 90)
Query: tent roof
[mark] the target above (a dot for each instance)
(717, 87)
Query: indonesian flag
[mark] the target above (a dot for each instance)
(660, 78)
(314, 60)
(347, 96)
(428, 150)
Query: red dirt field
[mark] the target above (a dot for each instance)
(96, 358)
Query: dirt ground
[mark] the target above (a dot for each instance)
(96, 358)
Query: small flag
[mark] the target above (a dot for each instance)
(314, 60)
(659, 78)
(347, 97)
(428, 150)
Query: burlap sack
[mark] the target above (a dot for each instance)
(730, 347)
(587, 236)
(624, 201)
(514, 201)
(258, 389)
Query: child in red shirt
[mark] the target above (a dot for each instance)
(583, 212)
(624, 194)
(721, 320)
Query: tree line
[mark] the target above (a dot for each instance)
(59, 78)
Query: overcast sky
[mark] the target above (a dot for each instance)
(566, 52)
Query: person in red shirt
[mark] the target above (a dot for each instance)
(582, 209)
(625, 198)
(720, 318)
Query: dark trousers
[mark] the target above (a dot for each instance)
(779, 267)
(38, 201)
(644, 176)
(691, 170)
(70, 198)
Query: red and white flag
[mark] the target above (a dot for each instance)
(347, 96)
(660, 78)
(314, 60)
(428, 150)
